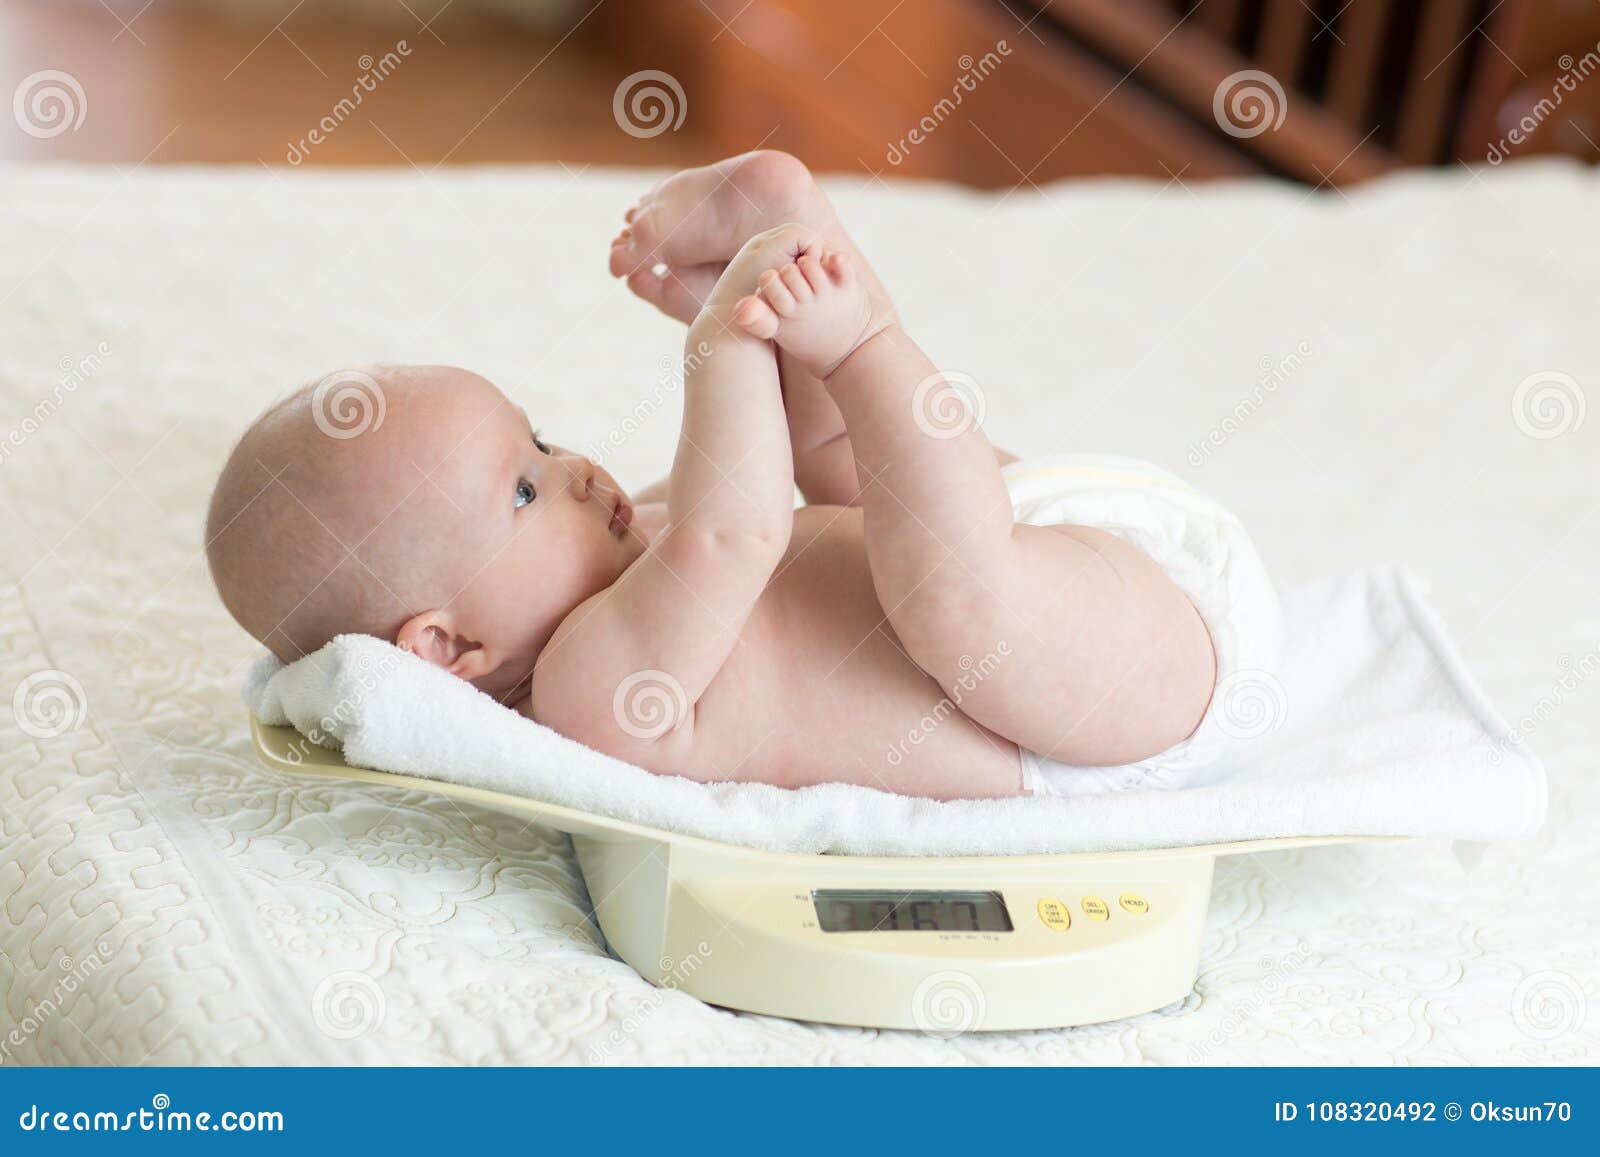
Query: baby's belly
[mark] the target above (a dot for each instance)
(820, 691)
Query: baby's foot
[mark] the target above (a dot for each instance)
(682, 233)
(677, 240)
(815, 308)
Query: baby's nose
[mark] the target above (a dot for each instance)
(582, 471)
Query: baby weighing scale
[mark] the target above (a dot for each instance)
(944, 945)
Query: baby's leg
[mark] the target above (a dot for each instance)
(1066, 640)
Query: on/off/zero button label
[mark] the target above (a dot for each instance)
(1053, 913)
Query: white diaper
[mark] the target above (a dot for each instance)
(1207, 553)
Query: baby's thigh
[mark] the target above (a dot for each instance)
(1084, 650)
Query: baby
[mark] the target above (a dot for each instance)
(903, 630)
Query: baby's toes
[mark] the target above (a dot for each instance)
(755, 317)
(839, 269)
(771, 287)
(626, 255)
(795, 282)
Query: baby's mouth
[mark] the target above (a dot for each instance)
(621, 515)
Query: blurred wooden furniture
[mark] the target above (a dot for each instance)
(1407, 82)
(170, 83)
(996, 93)
(1006, 92)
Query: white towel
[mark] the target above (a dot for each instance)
(1371, 726)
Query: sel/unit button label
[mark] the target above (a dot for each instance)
(1095, 908)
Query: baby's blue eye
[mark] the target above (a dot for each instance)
(525, 493)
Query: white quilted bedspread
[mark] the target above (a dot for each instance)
(164, 900)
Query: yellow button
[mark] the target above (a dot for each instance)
(1054, 914)
(1138, 905)
(1095, 908)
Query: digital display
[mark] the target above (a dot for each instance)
(850, 910)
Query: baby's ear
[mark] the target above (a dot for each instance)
(432, 636)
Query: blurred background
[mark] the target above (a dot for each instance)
(992, 93)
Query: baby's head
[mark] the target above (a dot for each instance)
(417, 504)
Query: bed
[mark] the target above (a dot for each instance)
(1400, 373)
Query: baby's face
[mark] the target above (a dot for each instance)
(526, 530)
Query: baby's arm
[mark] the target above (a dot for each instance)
(824, 468)
(677, 613)
(824, 461)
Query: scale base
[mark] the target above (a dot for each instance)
(1095, 937)
(736, 926)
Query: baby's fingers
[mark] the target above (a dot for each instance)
(755, 317)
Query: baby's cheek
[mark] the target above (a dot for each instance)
(600, 567)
